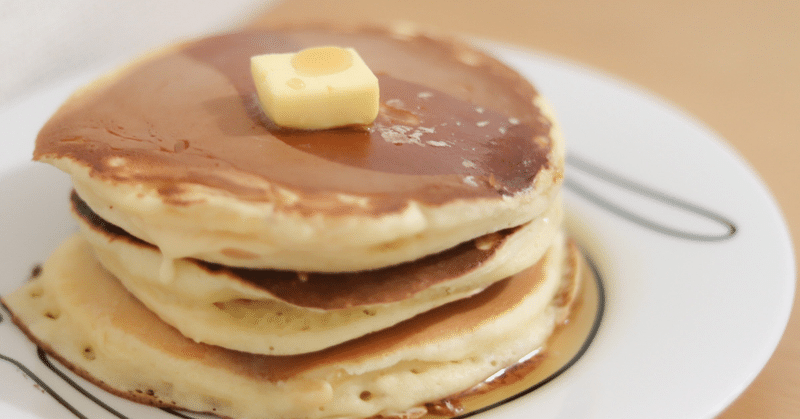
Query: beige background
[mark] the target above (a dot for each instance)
(733, 64)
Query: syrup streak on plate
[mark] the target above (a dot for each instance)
(695, 256)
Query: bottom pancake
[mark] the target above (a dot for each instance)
(81, 315)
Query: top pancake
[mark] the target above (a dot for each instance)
(176, 150)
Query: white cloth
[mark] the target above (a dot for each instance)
(43, 41)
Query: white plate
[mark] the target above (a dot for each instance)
(695, 256)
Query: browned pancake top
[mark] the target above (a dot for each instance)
(331, 291)
(454, 124)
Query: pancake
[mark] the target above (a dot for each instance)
(231, 266)
(175, 150)
(283, 312)
(80, 314)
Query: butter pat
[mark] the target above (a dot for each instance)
(316, 88)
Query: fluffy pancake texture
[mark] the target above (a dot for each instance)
(175, 150)
(82, 315)
(228, 265)
(279, 312)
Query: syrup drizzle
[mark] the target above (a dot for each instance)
(564, 348)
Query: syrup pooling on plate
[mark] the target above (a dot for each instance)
(564, 348)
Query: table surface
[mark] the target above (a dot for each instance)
(732, 64)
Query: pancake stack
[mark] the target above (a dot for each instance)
(228, 265)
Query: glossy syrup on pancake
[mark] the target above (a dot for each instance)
(452, 126)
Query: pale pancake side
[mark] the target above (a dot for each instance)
(219, 308)
(82, 315)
